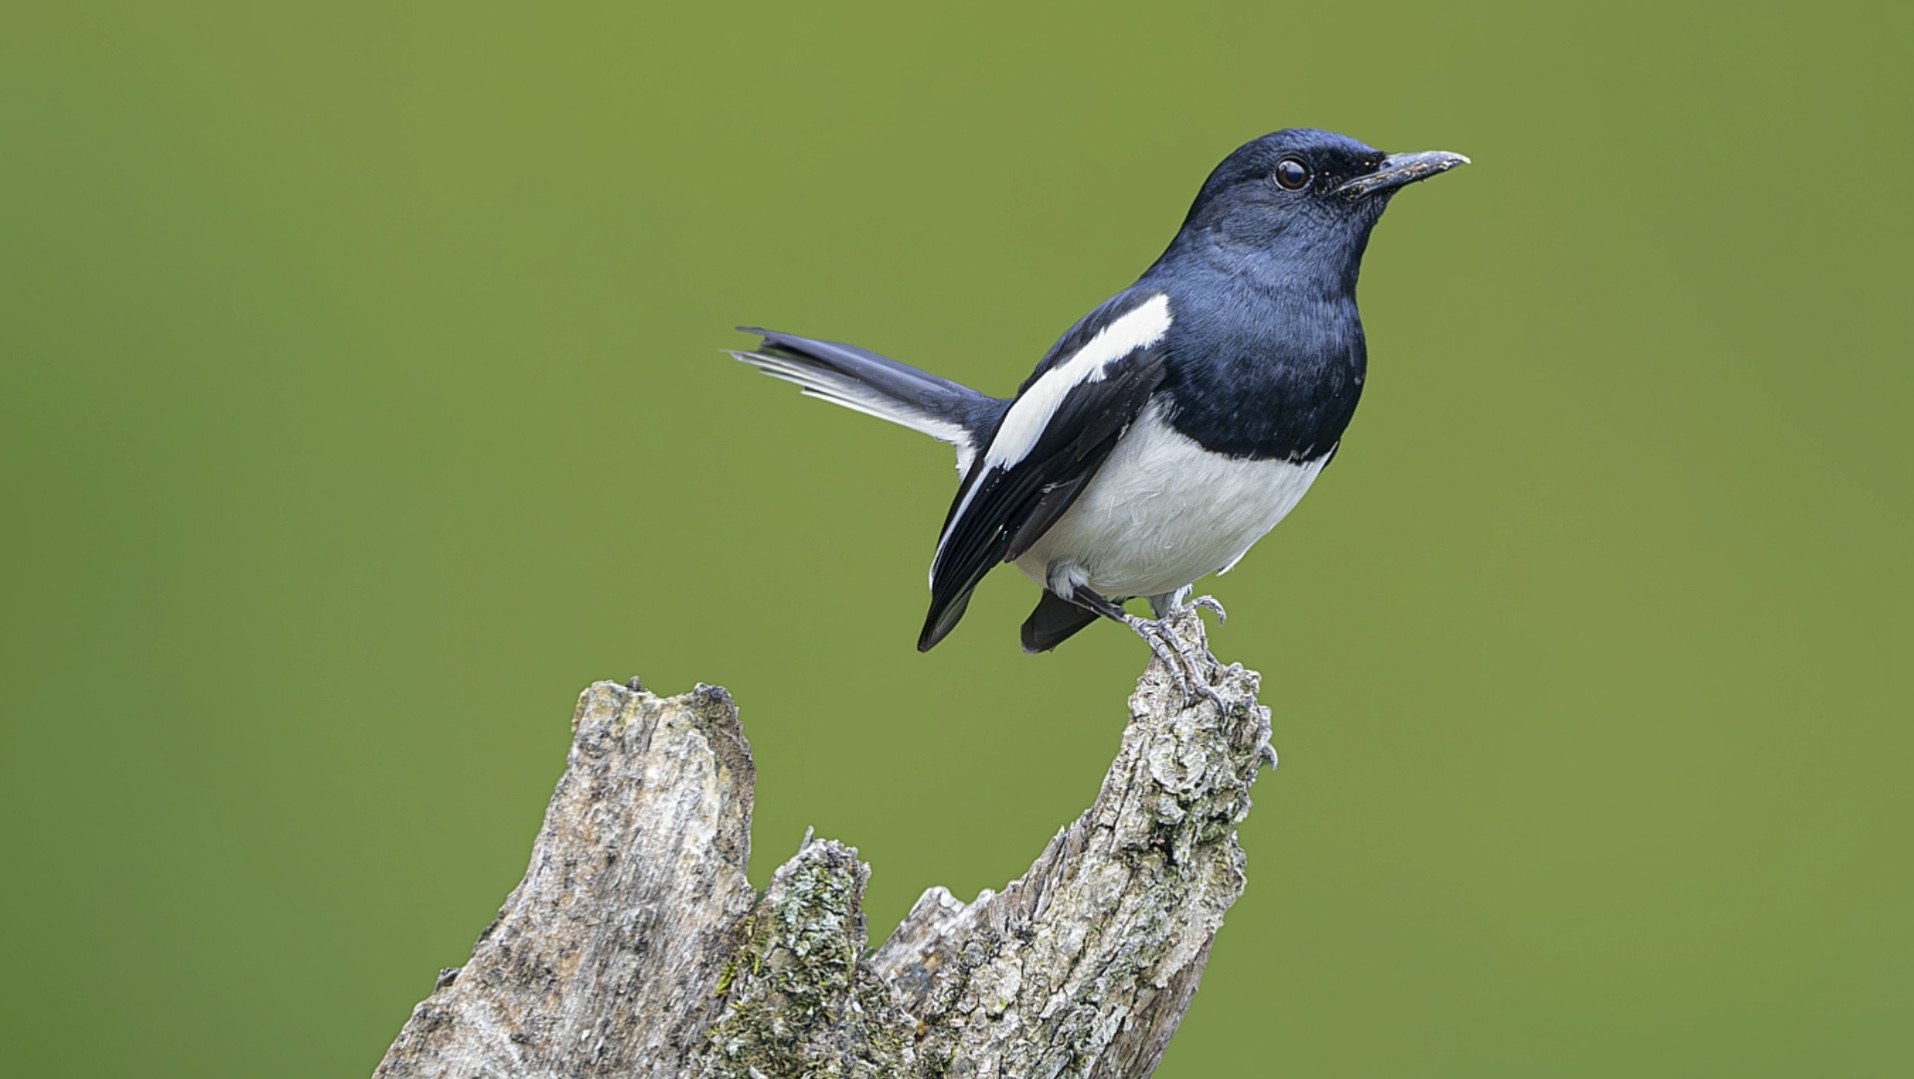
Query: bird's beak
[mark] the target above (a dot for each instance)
(1399, 169)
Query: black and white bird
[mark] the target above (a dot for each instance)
(1173, 425)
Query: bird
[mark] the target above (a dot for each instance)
(1172, 426)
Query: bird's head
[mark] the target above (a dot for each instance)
(1302, 196)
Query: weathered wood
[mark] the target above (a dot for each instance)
(634, 946)
(605, 958)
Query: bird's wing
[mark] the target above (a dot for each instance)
(1066, 418)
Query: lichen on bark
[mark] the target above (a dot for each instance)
(798, 1002)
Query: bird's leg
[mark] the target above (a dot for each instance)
(1169, 646)
(1166, 604)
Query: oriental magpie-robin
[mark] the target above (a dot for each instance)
(1173, 425)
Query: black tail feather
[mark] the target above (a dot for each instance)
(1054, 621)
(878, 385)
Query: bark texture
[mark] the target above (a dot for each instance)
(635, 946)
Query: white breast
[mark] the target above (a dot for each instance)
(1162, 512)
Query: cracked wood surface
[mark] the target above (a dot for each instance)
(635, 946)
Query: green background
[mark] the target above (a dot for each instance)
(360, 403)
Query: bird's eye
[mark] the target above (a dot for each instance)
(1291, 174)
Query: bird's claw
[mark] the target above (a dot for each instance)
(1211, 603)
(1184, 669)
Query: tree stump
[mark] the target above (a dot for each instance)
(635, 945)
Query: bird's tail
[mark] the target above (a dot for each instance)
(880, 386)
(1054, 621)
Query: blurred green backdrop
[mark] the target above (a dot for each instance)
(360, 402)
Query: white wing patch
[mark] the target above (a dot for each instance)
(1140, 327)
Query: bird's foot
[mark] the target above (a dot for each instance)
(1172, 605)
(1177, 604)
(1181, 660)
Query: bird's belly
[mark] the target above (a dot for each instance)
(1162, 512)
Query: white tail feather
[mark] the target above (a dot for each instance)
(847, 392)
